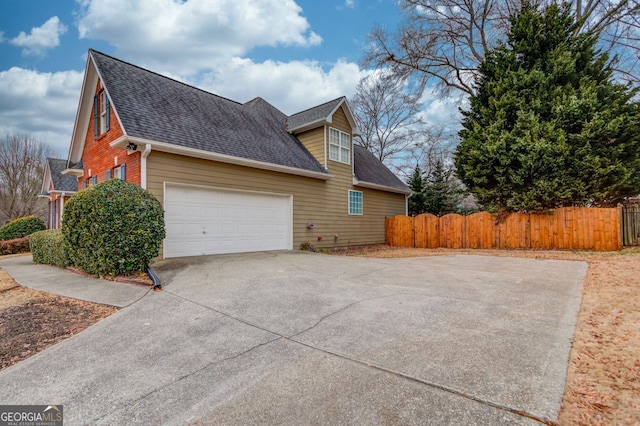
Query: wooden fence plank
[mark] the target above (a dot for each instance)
(480, 231)
(514, 231)
(427, 231)
(452, 231)
(399, 231)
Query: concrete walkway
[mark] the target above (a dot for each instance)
(60, 281)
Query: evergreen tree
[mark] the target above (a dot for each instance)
(547, 126)
(441, 194)
(417, 199)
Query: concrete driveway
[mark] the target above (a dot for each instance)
(299, 338)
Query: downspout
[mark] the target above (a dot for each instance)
(154, 277)
(143, 165)
(143, 183)
(61, 211)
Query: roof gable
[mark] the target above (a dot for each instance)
(319, 115)
(84, 112)
(55, 180)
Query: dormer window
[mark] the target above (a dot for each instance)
(339, 146)
(101, 113)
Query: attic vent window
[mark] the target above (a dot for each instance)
(339, 146)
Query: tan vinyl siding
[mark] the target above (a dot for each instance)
(325, 203)
(340, 122)
(313, 140)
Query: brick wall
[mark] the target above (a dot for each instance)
(98, 156)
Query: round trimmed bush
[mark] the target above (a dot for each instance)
(21, 227)
(113, 228)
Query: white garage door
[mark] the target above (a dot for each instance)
(214, 221)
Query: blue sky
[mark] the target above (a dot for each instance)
(293, 53)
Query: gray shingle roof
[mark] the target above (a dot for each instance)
(61, 182)
(368, 168)
(158, 108)
(161, 109)
(313, 114)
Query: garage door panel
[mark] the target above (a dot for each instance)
(212, 221)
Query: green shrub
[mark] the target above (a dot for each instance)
(113, 228)
(15, 246)
(47, 247)
(21, 227)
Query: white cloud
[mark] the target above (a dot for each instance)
(205, 43)
(40, 38)
(40, 104)
(194, 35)
(208, 44)
(442, 111)
(350, 3)
(290, 86)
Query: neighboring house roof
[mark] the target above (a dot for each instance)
(157, 108)
(53, 174)
(368, 169)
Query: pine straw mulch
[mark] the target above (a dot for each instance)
(603, 378)
(31, 320)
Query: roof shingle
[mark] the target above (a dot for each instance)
(154, 107)
(158, 108)
(311, 115)
(61, 182)
(368, 168)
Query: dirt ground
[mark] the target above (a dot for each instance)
(31, 321)
(603, 378)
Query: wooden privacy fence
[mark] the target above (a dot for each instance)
(569, 228)
(631, 225)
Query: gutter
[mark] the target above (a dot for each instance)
(370, 185)
(122, 141)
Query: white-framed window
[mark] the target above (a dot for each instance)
(339, 146)
(104, 106)
(120, 172)
(355, 202)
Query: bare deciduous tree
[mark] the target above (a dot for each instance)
(387, 113)
(22, 162)
(444, 41)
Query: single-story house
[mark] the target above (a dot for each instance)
(232, 177)
(58, 188)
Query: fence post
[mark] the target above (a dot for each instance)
(413, 231)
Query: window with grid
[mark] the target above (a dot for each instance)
(104, 106)
(339, 146)
(355, 202)
(100, 114)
